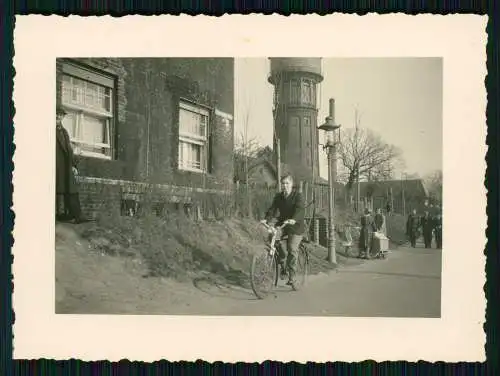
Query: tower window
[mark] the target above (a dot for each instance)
(306, 91)
(294, 91)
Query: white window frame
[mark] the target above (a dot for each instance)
(74, 72)
(186, 137)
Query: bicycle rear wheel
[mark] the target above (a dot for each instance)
(263, 274)
(302, 267)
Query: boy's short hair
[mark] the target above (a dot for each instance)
(286, 177)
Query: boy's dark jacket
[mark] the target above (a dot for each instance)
(291, 207)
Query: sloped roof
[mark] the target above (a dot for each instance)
(412, 188)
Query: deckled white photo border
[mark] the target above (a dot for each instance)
(457, 336)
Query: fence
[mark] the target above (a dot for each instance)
(238, 200)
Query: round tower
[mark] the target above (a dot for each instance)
(296, 82)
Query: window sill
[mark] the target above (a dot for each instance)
(93, 155)
(187, 169)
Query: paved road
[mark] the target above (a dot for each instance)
(407, 284)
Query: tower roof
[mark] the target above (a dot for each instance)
(291, 65)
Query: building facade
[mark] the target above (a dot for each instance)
(402, 195)
(148, 121)
(296, 82)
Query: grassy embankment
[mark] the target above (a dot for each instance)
(115, 255)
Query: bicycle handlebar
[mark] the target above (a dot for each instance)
(268, 226)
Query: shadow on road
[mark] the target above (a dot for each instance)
(409, 275)
(215, 288)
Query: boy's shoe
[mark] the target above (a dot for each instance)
(283, 273)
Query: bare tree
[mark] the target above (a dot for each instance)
(434, 183)
(364, 154)
(246, 152)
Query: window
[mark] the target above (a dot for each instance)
(294, 91)
(307, 121)
(87, 98)
(193, 131)
(308, 91)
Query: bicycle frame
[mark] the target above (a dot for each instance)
(275, 233)
(271, 254)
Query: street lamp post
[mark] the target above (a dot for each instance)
(329, 127)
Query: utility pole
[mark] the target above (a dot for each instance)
(403, 193)
(357, 190)
(356, 123)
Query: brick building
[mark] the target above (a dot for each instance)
(142, 122)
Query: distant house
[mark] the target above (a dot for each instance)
(380, 193)
(262, 171)
(140, 121)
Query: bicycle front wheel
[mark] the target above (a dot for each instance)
(263, 274)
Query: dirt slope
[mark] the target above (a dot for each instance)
(125, 265)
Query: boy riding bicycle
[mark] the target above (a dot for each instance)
(290, 205)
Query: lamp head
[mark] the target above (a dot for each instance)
(329, 127)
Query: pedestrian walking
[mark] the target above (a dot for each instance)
(438, 231)
(412, 225)
(379, 224)
(427, 225)
(67, 199)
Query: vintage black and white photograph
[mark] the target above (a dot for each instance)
(206, 193)
(249, 186)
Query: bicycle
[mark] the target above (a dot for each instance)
(269, 259)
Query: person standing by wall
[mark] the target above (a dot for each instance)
(412, 225)
(67, 197)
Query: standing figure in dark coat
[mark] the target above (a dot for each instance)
(379, 222)
(66, 186)
(438, 231)
(427, 226)
(365, 236)
(412, 225)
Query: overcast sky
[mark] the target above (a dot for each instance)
(399, 98)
